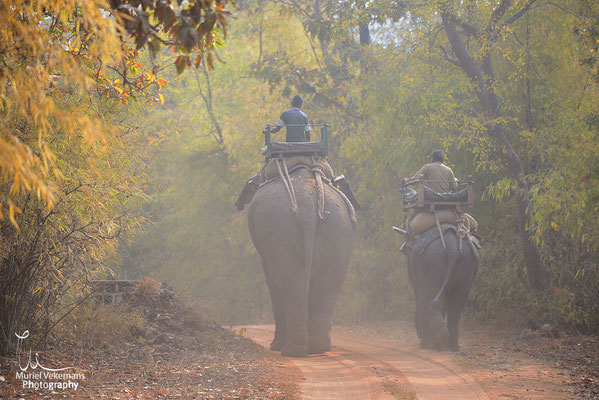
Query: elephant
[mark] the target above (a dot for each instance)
(441, 280)
(305, 259)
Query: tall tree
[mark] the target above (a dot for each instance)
(477, 64)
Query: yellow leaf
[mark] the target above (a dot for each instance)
(11, 216)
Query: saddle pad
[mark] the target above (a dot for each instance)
(271, 170)
(420, 242)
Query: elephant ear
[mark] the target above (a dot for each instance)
(247, 193)
(343, 184)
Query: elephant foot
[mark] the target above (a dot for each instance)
(319, 348)
(277, 344)
(426, 344)
(455, 347)
(441, 341)
(294, 350)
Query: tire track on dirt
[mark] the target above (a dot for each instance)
(362, 367)
(430, 375)
(330, 376)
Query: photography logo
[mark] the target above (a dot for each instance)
(33, 375)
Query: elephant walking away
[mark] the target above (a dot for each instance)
(441, 280)
(305, 250)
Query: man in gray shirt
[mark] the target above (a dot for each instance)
(296, 122)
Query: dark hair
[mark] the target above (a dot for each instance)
(438, 155)
(297, 101)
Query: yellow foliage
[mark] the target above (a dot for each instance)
(46, 47)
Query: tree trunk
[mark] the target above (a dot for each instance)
(364, 34)
(482, 77)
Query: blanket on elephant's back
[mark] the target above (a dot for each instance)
(271, 170)
(420, 242)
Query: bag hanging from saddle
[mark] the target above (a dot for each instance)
(425, 220)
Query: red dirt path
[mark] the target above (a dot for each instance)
(364, 366)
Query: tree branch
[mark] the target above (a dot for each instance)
(448, 57)
(498, 13)
(524, 10)
(468, 28)
(466, 62)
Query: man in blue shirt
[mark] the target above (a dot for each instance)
(296, 122)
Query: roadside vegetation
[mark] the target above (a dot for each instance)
(125, 140)
(512, 99)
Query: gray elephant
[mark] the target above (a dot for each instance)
(441, 279)
(305, 258)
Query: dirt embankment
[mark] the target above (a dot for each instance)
(169, 352)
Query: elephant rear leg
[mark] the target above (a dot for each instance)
(296, 343)
(455, 306)
(325, 286)
(414, 283)
(278, 308)
(434, 330)
(453, 324)
(296, 311)
(320, 319)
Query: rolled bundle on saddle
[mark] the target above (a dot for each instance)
(426, 220)
(271, 171)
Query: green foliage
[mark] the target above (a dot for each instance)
(390, 104)
(72, 162)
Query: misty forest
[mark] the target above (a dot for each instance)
(128, 129)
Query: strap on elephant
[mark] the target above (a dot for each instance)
(464, 232)
(319, 174)
(434, 211)
(288, 184)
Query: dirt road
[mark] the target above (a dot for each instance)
(365, 367)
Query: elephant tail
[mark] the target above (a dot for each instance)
(309, 226)
(452, 259)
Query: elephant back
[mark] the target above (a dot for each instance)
(271, 170)
(305, 192)
(420, 242)
(301, 175)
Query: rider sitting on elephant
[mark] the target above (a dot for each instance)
(298, 130)
(296, 122)
(442, 253)
(437, 176)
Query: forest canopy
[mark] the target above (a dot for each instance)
(129, 127)
(507, 89)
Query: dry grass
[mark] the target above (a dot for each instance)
(98, 327)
